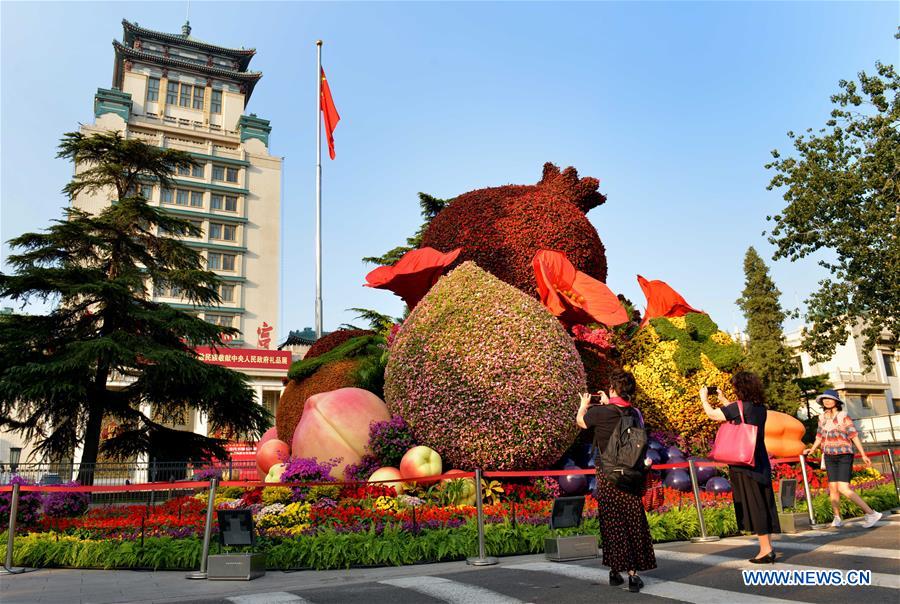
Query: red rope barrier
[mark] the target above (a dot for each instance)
(195, 484)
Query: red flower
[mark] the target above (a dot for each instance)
(573, 296)
(663, 301)
(413, 275)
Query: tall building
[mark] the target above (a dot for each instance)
(178, 92)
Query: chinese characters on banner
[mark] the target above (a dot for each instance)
(245, 358)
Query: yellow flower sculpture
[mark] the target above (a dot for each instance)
(671, 359)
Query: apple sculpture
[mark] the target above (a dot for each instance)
(335, 425)
(420, 462)
(388, 473)
(270, 453)
(268, 435)
(275, 473)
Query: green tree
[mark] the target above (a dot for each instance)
(842, 189)
(55, 369)
(430, 207)
(767, 354)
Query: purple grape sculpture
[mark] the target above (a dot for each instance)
(678, 480)
(718, 485)
(654, 456)
(573, 484)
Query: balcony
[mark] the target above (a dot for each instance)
(858, 380)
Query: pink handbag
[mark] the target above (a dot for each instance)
(735, 443)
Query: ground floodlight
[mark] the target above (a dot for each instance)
(236, 527)
(567, 512)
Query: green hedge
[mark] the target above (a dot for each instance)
(394, 547)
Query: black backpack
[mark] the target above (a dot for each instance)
(622, 462)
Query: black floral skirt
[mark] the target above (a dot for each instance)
(623, 529)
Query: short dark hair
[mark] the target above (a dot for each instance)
(623, 383)
(749, 387)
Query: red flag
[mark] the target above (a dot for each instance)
(663, 301)
(329, 113)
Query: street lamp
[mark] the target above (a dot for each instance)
(15, 453)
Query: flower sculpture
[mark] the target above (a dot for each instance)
(484, 375)
(573, 296)
(501, 228)
(663, 301)
(671, 358)
(413, 275)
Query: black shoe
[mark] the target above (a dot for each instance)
(767, 559)
(634, 584)
(615, 579)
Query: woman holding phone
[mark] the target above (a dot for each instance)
(754, 498)
(627, 545)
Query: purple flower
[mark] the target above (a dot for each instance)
(30, 504)
(66, 505)
(390, 440)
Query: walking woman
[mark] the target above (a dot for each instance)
(754, 499)
(837, 435)
(623, 522)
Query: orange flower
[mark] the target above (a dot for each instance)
(573, 296)
(413, 275)
(663, 301)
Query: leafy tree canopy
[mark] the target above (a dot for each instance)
(842, 188)
(56, 369)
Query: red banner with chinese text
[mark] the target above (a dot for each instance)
(245, 358)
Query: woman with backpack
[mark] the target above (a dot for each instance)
(627, 545)
(754, 498)
(837, 436)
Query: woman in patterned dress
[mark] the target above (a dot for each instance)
(837, 435)
(624, 531)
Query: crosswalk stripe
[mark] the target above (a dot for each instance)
(878, 579)
(684, 592)
(275, 597)
(449, 591)
(844, 550)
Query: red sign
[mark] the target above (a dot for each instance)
(245, 358)
(244, 456)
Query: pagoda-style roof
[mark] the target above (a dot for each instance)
(247, 78)
(133, 30)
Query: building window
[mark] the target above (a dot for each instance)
(222, 320)
(147, 192)
(216, 201)
(172, 93)
(230, 203)
(226, 292)
(153, 89)
(864, 400)
(166, 195)
(184, 171)
(889, 370)
(185, 100)
(218, 261)
(198, 170)
(218, 172)
(270, 401)
(223, 202)
(196, 199)
(198, 97)
(181, 197)
(225, 232)
(231, 174)
(215, 105)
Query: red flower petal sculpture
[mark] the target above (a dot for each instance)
(663, 301)
(573, 296)
(413, 275)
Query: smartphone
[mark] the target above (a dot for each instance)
(712, 390)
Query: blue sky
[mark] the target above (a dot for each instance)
(673, 106)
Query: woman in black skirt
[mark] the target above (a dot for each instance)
(754, 499)
(623, 522)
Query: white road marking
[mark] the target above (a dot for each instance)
(451, 592)
(843, 550)
(684, 592)
(275, 597)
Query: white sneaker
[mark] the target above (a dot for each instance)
(871, 519)
(837, 522)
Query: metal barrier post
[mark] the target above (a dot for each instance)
(207, 534)
(482, 559)
(11, 538)
(893, 471)
(806, 490)
(703, 538)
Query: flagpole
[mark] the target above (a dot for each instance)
(319, 189)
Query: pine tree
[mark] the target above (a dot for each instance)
(55, 369)
(767, 354)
